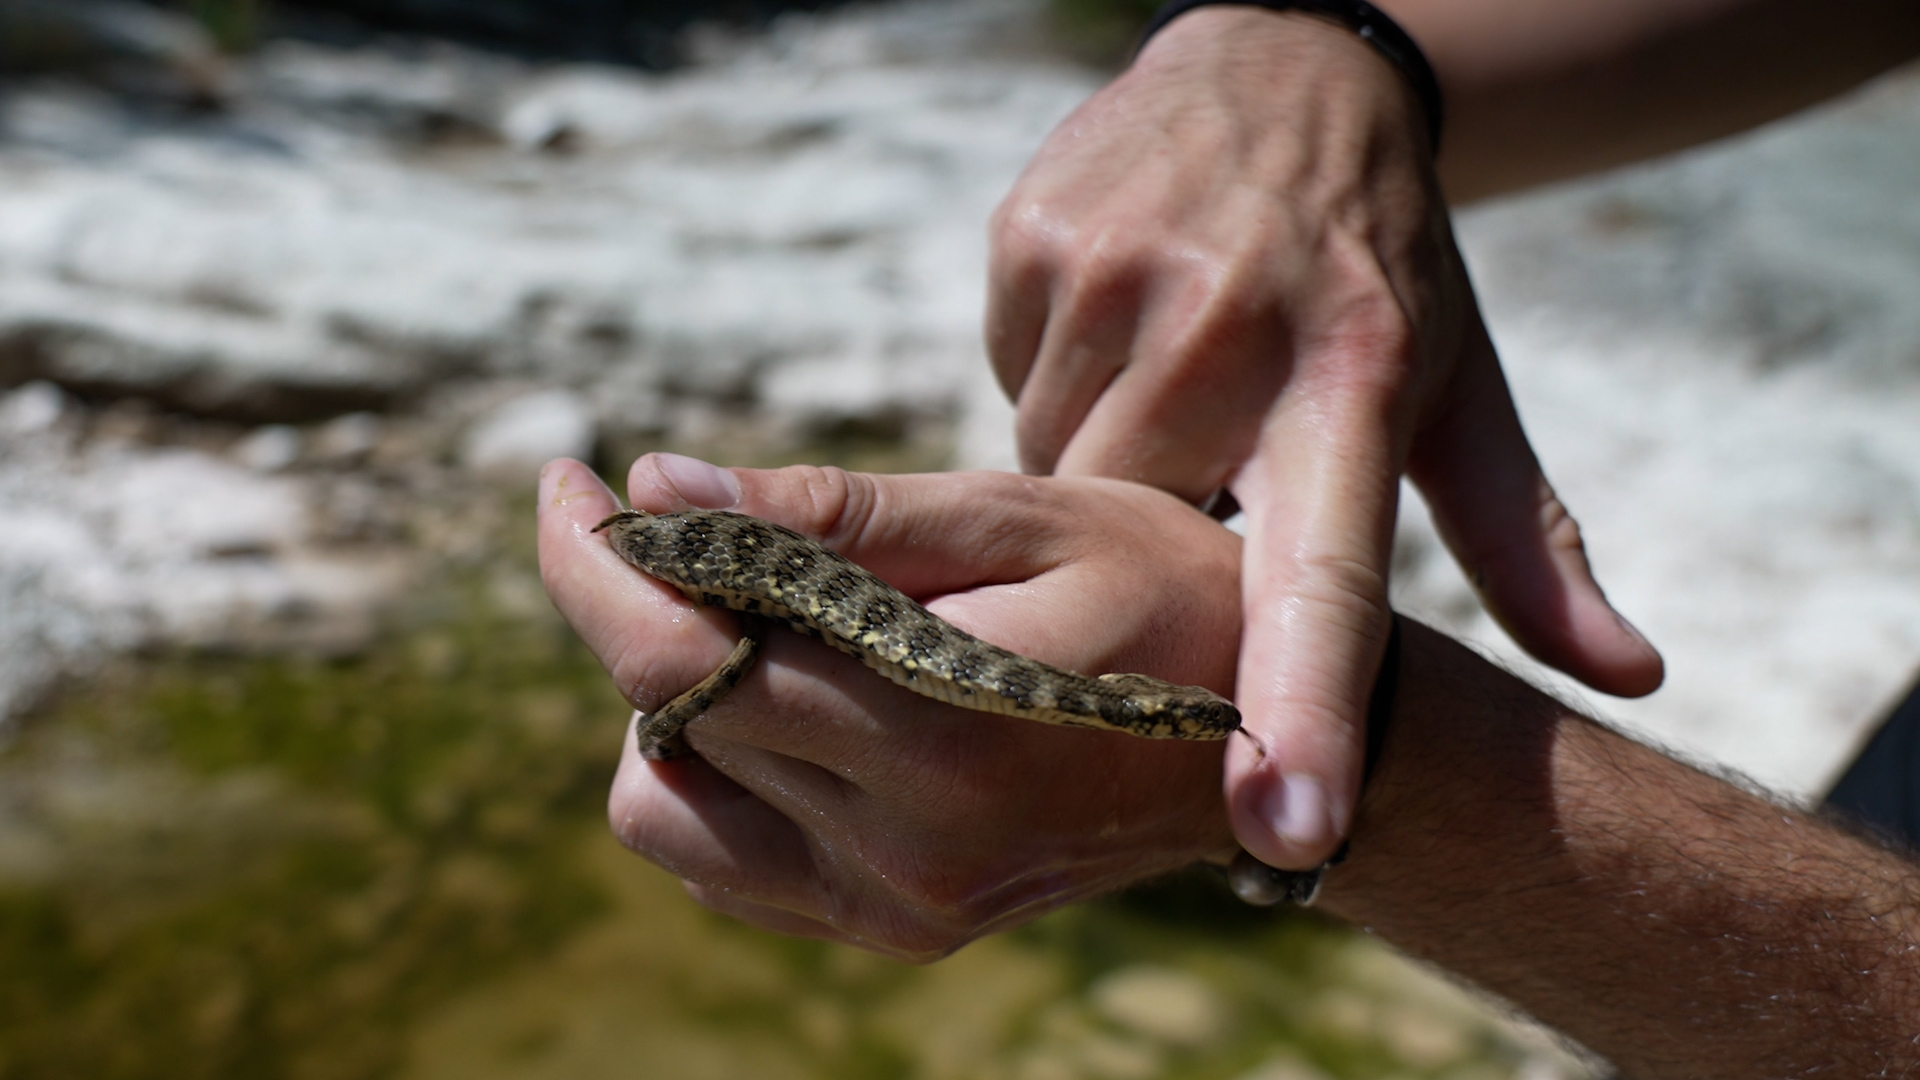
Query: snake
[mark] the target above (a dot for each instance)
(771, 574)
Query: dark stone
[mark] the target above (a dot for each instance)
(1881, 789)
(640, 33)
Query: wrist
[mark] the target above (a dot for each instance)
(1356, 20)
(1469, 755)
(1644, 908)
(1279, 67)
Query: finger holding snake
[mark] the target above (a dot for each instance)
(859, 810)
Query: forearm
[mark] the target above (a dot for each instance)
(1540, 91)
(1675, 924)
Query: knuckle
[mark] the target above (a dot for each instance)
(1559, 526)
(1021, 240)
(827, 502)
(639, 834)
(1372, 356)
(1368, 328)
(1373, 325)
(640, 670)
(1339, 582)
(853, 502)
(1555, 527)
(1107, 267)
(1231, 304)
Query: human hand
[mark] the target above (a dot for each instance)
(1232, 268)
(827, 802)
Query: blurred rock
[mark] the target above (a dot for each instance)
(514, 439)
(269, 449)
(169, 505)
(131, 46)
(788, 237)
(642, 32)
(1718, 358)
(417, 92)
(1284, 1067)
(1164, 1004)
(347, 440)
(31, 409)
(118, 547)
(367, 225)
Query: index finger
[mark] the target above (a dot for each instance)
(1320, 493)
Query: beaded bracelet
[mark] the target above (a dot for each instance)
(1264, 886)
(1373, 26)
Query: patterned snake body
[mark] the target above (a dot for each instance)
(759, 568)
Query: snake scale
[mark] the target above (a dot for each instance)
(758, 568)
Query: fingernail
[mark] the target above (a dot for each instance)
(708, 486)
(1296, 810)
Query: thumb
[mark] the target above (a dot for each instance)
(1517, 542)
(1083, 573)
(924, 535)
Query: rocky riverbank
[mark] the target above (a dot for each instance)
(250, 348)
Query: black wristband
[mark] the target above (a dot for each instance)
(1362, 18)
(1263, 885)
(1386, 688)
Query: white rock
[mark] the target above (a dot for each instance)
(808, 197)
(123, 547)
(985, 439)
(1161, 1003)
(270, 448)
(31, 409)
(179, 505)
(517, 437)
(864, 383)
(1713, 356)
(347, 439)
(606, 107)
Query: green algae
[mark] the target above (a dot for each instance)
(429, 790)
(1101, 32)
(234, 24)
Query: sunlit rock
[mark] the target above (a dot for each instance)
(517, 437)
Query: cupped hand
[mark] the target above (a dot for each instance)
(827, 802)
(1232, 268)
